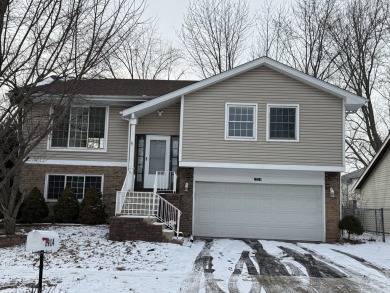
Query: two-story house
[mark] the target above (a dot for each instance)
(254, 152)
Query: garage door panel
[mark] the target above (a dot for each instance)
(258, 211)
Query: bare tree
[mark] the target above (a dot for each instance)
(361, 33)
(41, 38)
(302, 38)
(270, 31)
(345, 43)
(214, 34)
(144, 55)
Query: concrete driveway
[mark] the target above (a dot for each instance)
(268, 266)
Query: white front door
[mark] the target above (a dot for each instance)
(156, 159)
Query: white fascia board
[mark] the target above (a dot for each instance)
(77, 163)
(352, 100)
(262, 166)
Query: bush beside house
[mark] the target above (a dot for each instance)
(352, 225)
(34, 208)
(92, 208)
(67, 208)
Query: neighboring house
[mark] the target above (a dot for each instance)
(350, 198)
(374, 184)
(258, 152)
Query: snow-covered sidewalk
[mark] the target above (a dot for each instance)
(88, 262)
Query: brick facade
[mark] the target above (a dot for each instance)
(11, 240)
(183, 199)
(332, 206)
(33, 175)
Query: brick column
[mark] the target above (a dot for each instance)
(186, 175)
(332, 206)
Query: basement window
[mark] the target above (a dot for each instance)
(56, 183)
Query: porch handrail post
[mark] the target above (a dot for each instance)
(174, 182)
(178, 224)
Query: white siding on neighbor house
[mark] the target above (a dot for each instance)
(375, 193)
(116, 148)
(166, 124)
(320, 118)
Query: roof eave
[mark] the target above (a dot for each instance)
(353, 102)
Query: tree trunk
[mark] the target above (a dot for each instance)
(9, 225)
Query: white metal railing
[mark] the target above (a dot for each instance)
(128, 184)
(165, 181)
(148, 204)
(169, 214)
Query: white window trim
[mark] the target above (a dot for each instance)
(227, 137)
(77, 149)
(67, 174)
(296, 106)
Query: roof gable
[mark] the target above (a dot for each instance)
(353, 102)
(373, 164)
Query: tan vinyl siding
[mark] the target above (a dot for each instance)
(167, 124)
(375, 193)
(320, 119)
(116, 148)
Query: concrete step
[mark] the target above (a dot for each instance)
(168, 233)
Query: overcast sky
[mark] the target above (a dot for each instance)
(169, 14)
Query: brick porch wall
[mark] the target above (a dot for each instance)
(183, 199)
(122, 229)
(33, 175)
(332, 206)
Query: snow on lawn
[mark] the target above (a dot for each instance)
(87, 261)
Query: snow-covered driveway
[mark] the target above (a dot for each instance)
(88, 262)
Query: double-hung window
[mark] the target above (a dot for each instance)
(241, 121)
(283, 123)
(82, 128)
(78, 183)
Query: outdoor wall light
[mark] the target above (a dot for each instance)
(331, 192)
(186, 187)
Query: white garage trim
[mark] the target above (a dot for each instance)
(261, 166)
(263, 176)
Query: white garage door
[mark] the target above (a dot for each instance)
(264, 211)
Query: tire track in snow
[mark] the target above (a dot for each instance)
(233, 280)
(361, 283)
(202, 265)
(366, 263)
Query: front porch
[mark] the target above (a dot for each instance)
(160, 215)
(149, 191)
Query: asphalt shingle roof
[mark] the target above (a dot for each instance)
(115, 87)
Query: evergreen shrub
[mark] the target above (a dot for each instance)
(67, 208)
(92, 208)
(352, 225)
(34, 208)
